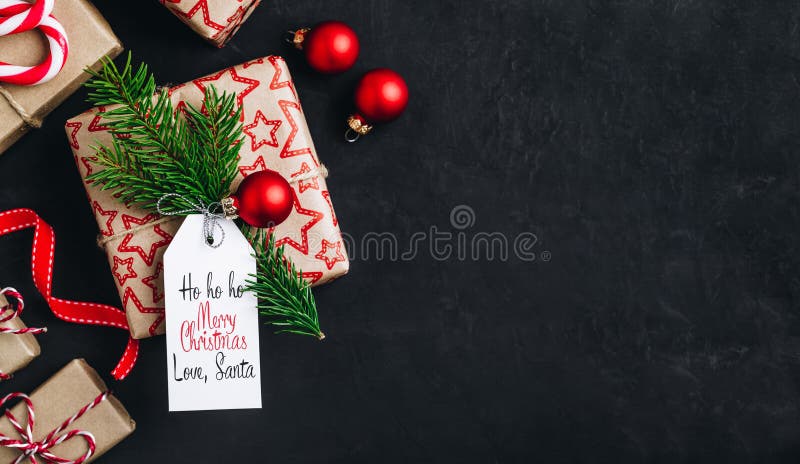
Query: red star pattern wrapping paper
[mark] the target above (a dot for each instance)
(215, 20)
(276, 137)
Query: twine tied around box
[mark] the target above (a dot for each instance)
(29, 120)
(32, 449)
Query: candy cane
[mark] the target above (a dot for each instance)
(19, 16)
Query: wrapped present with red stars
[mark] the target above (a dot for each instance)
(276, 137)
(214, 20)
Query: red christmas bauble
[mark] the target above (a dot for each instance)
(381, 95)
(264, 199)
(331, 47)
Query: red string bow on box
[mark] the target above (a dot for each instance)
(11, 311)
(32, 449)
(78, 312)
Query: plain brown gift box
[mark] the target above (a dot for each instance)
(90, 39)
(16, 351)
(71, 388)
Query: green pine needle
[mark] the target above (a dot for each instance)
(156, 152)
(285, 298)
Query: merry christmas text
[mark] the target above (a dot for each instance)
(210, 331)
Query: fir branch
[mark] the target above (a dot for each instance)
(284, 297)
(156, 151)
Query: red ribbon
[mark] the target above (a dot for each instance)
(44, 243)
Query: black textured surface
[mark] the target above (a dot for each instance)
(652, 148)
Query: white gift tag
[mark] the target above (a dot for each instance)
(212, 323)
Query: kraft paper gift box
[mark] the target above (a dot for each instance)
(63, 395)
(16, 350)
(90, 39)
(275, 137)
(214, 20)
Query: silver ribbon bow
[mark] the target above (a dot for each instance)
(211, 215)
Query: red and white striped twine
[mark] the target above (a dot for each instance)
(32, 449)
(19, 16)
(12, 310)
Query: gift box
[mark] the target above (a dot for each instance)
(276, 137)
(90, 39)
(215, 20)
(16, 350)
(75, 392)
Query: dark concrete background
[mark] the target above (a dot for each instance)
(650, 146)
